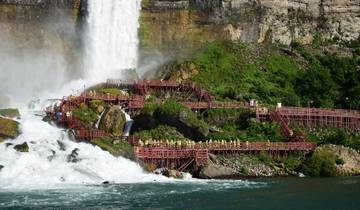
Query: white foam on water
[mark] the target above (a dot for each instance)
(47, 166)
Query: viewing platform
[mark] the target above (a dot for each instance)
(313, 117)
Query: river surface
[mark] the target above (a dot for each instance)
(277, 194)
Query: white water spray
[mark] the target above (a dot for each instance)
(48, 163)
(112, 43)
(112, 46)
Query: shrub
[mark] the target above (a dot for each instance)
(122, 148)
(86, 115)
(149, 108)
(357, 51)
(162, 132)
(94, 104)
(172, 108)
(339, 160)
(265, 157)
(112, 91)
(264, 131)
(321, 163)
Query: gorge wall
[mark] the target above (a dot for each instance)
(185, 24)
(174, 27)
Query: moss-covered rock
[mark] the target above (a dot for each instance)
(172, 115)
(8, 129)
(24, 147)
(113, 121)
(11, 113)
(86, 115)
(114, 147)
(161, 132)
(176, 115)
(97, 105)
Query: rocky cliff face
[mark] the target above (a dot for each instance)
(179, 24)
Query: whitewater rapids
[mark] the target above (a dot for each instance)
(46, 165)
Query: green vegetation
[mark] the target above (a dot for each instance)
(119, 148)
(162, 132)
(234, 71)
(249, 130)
(85, 115)
(172, 108)
(226, 70)
(112, 91)
(11, 113)
(321, 163)
(113, 121)
(330, 80)
(149, 108)
(96, 103)
(336, 136)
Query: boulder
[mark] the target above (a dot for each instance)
(24, 147)
(8, 129)
(62, 146)
(214, 171)
(1, 167)
(189, 128)
(169, 173)
(113, 121)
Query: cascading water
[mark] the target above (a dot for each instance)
(49, 162)
(53, 158)
(112, 43)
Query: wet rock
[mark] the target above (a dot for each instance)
(1, 167)
(9, 144)
(169, 173)
(24, 147)
(47, 119)
(62, 146)
(73, 157)
(113, 121)
(183, 123)
(51, 157)
(9, 129)
(106, 183)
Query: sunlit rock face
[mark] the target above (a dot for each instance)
(185, 24)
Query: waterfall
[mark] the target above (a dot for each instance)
(112, 37)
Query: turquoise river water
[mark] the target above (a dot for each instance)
(269, 194)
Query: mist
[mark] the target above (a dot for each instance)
(35, 58)
(151, 62)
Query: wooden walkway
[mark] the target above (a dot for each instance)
(313, 117)
(181, 157)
